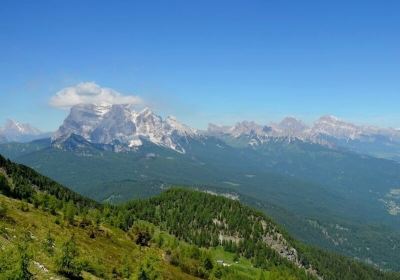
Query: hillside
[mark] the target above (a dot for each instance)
(206, 220)
(341, 201)
(51, 231)
(42, 239)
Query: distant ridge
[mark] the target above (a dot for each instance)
(14, 131)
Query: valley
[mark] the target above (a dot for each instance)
(52, 232)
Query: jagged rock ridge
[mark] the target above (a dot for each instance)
(122, 124)
(327, 130)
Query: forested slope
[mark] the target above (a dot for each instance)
(206, 220)
(48, 231)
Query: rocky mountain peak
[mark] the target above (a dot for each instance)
(329, 118)
(146, 112)
(214, 129)
(291, 122)
(291, 126)
(108, 124)
(246, 128)
(19, 132)
(335, 127)
(13, 127)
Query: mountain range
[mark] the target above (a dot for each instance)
(121, 128)
(327, 130)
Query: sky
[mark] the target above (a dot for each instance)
(202, 61)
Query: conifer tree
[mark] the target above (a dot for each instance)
(67, 262)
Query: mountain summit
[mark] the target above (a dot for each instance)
(121, 126)
(19, 132)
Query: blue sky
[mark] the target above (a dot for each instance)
(206, 61)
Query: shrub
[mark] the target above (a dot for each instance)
(48, 244)
(3, 210)
(67, 262)
(23, 272)
(4, 186)
(149, 269)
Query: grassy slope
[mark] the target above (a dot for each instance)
(105, 252)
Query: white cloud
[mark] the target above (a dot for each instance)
(90, 93)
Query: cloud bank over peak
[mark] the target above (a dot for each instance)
(91, 93)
